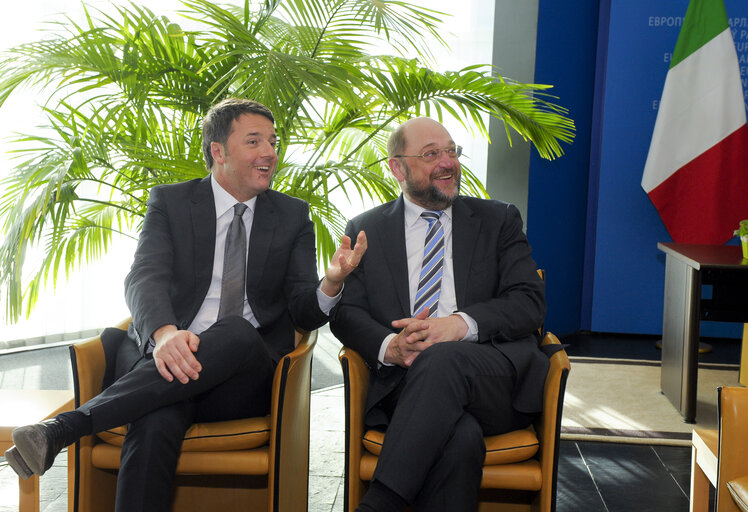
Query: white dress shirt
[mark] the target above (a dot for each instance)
(416, 228)
(208, 312)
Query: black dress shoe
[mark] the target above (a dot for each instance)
(36, 447)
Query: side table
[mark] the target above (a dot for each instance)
(20, 407)
(702, 282)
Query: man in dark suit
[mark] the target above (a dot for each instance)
(206, 335)
(444, 307)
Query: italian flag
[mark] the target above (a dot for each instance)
(696, 173)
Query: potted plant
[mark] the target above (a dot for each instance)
(742, 233)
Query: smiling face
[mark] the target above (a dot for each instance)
(432, 185)
(244, 166)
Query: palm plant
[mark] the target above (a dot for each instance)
(126, 92)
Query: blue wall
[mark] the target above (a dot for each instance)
(600, 231)
(556, 216)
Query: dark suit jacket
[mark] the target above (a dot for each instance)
(173, 264)
(496, 283)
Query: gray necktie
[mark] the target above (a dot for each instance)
(234, 266)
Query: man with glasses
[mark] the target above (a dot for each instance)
(444, 307)
(224, 270)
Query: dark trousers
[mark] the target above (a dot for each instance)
(235, 382)
(452, 395)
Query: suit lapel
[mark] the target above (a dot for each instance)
(391, 236)
(465, 230)
(203, 214)
(260, 239)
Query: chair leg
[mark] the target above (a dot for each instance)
(699, 486)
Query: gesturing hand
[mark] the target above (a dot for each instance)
(174, 354)
(342, 264)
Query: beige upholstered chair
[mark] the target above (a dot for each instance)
(520, 469)
(249, 464)
(719, 456)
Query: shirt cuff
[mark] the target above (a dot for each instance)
(472, 334)
(383, 350)
(326, 303)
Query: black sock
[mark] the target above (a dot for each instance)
(75, 424)
(380, 498)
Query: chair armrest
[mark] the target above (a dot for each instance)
(356, 379)
(88, 363)
(733, 443)
(548, 425)
(739, 491)
(289, 425)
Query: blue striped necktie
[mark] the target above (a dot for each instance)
(430, 279)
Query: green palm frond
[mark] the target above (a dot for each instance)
(125, 90)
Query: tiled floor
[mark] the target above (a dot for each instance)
(326, 458)
(53, 496)
(607, 477)
(593, 477)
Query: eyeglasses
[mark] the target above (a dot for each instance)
(432, 155)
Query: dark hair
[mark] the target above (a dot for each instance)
(218, 120)
(396, 142)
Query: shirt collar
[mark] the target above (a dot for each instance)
(413, 211)
(225, 201)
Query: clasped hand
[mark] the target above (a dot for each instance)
(420, 332)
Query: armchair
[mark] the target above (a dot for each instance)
(520, 469)
(223, 465)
